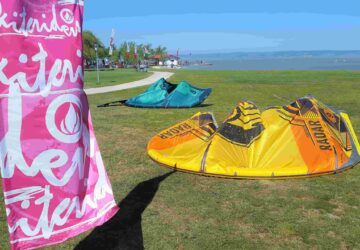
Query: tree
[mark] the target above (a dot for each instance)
(115, 55)
(162, 51)
(89, 41)
(127, 52)
(147, 48)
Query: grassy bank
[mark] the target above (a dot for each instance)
(185, 211)
(113, 77)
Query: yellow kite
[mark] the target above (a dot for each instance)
(305, 138)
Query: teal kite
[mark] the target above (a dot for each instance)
(163, 94)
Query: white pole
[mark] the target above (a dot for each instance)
(97, 64)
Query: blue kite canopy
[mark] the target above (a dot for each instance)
(163, 94)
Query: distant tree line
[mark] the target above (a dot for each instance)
(127, 52)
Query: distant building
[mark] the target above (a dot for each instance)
(156, 60)
(172, 61)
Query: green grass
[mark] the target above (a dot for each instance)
(194, 212)
(113, 77)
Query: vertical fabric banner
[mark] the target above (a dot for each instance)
(111, 43)
(54, 181)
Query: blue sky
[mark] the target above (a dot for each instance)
(229, 25)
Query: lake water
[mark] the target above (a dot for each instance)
(280, 64)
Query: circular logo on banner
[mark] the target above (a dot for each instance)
(67, 16)
(64, 118)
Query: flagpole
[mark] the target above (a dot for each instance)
(97, 62)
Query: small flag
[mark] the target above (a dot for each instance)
(127, 51)
(135, 52)
(146, 50)
(112, 39)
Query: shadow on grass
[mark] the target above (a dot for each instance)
(124, 230)
(122, 103)
(204, 105)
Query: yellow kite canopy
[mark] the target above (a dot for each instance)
(305, 138)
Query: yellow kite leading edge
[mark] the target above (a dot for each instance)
(305, 138)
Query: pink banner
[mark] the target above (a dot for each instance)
(54, 180)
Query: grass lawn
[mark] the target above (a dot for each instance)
(113, 77)
(194, 212)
